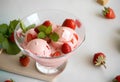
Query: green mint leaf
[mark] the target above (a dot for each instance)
(13, 25)
(5, 43)
(41, 35)
(42, 28)
(54, 36)
(48, 30)
(10, 47)
(30, 26)
(0, 45)
(4, 28)
(22, 26)
(1, 38)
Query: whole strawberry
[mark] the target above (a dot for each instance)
(10, 80)
(47, 23)
(99, 59)
(70, 23)
(24, 60)
(117, 79)
(66, 48)
(108, 13)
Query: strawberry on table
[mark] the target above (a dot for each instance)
(99, 59)
(24, 60)
(10, 80)
(109, 13)
(70, 23)
(117, 79)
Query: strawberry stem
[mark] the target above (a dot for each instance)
(104, 66)
(103, 63)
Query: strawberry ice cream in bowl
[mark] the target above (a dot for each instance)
(50, 38)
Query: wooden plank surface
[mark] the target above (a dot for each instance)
(11, 63)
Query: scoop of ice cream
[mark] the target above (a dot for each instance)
(39, 47)
(67, 35)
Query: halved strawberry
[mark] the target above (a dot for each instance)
(99, 59)
(47, 23)
(66, 48)
(69, 23)
(56, 54)
(30, 37)
(24, 60)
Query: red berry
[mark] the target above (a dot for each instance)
(56, 54)
(117, 79)
(108, 13)
(9, 80)
(69, 23)
(24, 60)
(30, 37)
(11, 38)
(47, 23)
(66, 48)
(36, 30)
(48, 40)
(99, 59)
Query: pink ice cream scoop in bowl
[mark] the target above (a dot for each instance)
(50, 37)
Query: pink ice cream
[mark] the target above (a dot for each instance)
(39, 47)
(67, 35)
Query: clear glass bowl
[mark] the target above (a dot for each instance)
(49, 65)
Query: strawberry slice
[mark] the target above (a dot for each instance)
(47, 23)
(30, 37)
(69, 23)
(66, 48)
(56, 54)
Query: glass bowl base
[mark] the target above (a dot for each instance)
(50, 70)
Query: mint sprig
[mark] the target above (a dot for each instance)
(54, 36)
(26, 28)
(48, 30)
(45, 31)
(41, 35)
(5, 32)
